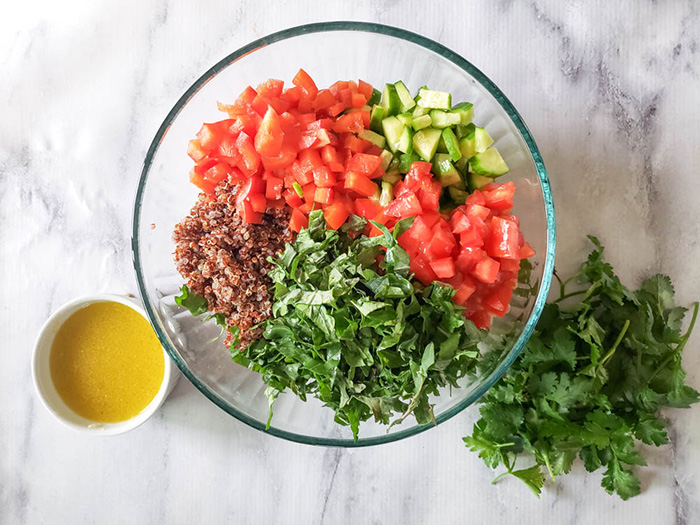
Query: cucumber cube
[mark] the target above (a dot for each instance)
(405, 143)
(375, 119)
(390, 100)
(405, 97)
(444, 119)
(482, 140)
(374, 138)
(434, 99)
(406, 160)
(451, 143)
(425, 142)
(421, 121)
(393, 129)
(488, 163)
(465, 110)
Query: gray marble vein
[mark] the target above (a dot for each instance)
(611, 93)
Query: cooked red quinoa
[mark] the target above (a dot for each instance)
(224, 259)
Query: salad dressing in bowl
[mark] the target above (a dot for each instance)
(106, 362)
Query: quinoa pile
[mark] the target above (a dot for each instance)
(224, 259)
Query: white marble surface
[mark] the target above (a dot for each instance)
(612, 95)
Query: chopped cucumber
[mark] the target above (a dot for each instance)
(406, 160)
(421, 121)
(451, 144)
(425, 142)
(488, 163)
(445, 171)
(405, 97)
(387, 194)
(387, 157)
(434, 99)
(465, 110)
(405, 143)
(417, 97)
(375, 98)
(420, 111)
(463, 131)
(444, 119)
(482, 140)
(374, 138)
(393, 129)
(375, 198)
(405, 118)
(392, 177)
(375, 119)
(467, 147)
(476, 182)
(442, 147)
(390, 100)
(459, 196)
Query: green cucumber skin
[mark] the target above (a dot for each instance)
(488, 163)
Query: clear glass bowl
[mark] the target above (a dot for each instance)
(329, 52)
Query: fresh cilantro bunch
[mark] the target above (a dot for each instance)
(357, 334)
(590, 382)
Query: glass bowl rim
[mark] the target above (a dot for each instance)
(502, 100)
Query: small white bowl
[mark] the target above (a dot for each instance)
(43, 383)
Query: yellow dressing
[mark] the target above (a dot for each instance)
(106, 362)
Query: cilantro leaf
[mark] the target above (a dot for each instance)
(590, 381)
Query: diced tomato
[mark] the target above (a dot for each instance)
(420, 267)
(365, 88)
(476, 197)
(268, 139)
(486, 270)
(195, 150)
(360, 184)
(336, 109)
(367, 208)
(471, 238)
(460, 222)
(443, 268)
(286, 156)
(270, 88)
(509, 265)
(324, 99)
(464, 292)
(468, 258)
(481, 318)
(499, 197)
(526, 251)
(303, 173)
(309, 193)
(292, 95)
(364, 163)
(498, 300)
(354, 144)
(298, 221)
(357, 100)
(252, 186)
(349, 123)
(441, 244)
(207, 186)
(405, 206)
(502, 240)
(251, 159)
(430, 198)
(248, 214)
(324, 195)
(305, 82)
(335, 214)
(258, 202)
(421, 169)
(217, 173)
(273, 189)
(292, 198)
(324, 177)
(431, 218)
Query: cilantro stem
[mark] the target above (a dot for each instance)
(549, 466)
(680, 346)
(616, 343)
(567, 295)
(495, 480)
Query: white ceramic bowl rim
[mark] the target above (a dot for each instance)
(50, 398)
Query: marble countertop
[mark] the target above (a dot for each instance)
(611, 95)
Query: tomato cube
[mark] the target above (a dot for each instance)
(323, 195)
(443, 268)
(441, 244)
(298, 221)
(335, 214)
(486, 270)
(273, 189)
(360, 184)
(268, 139)
(502, 240)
